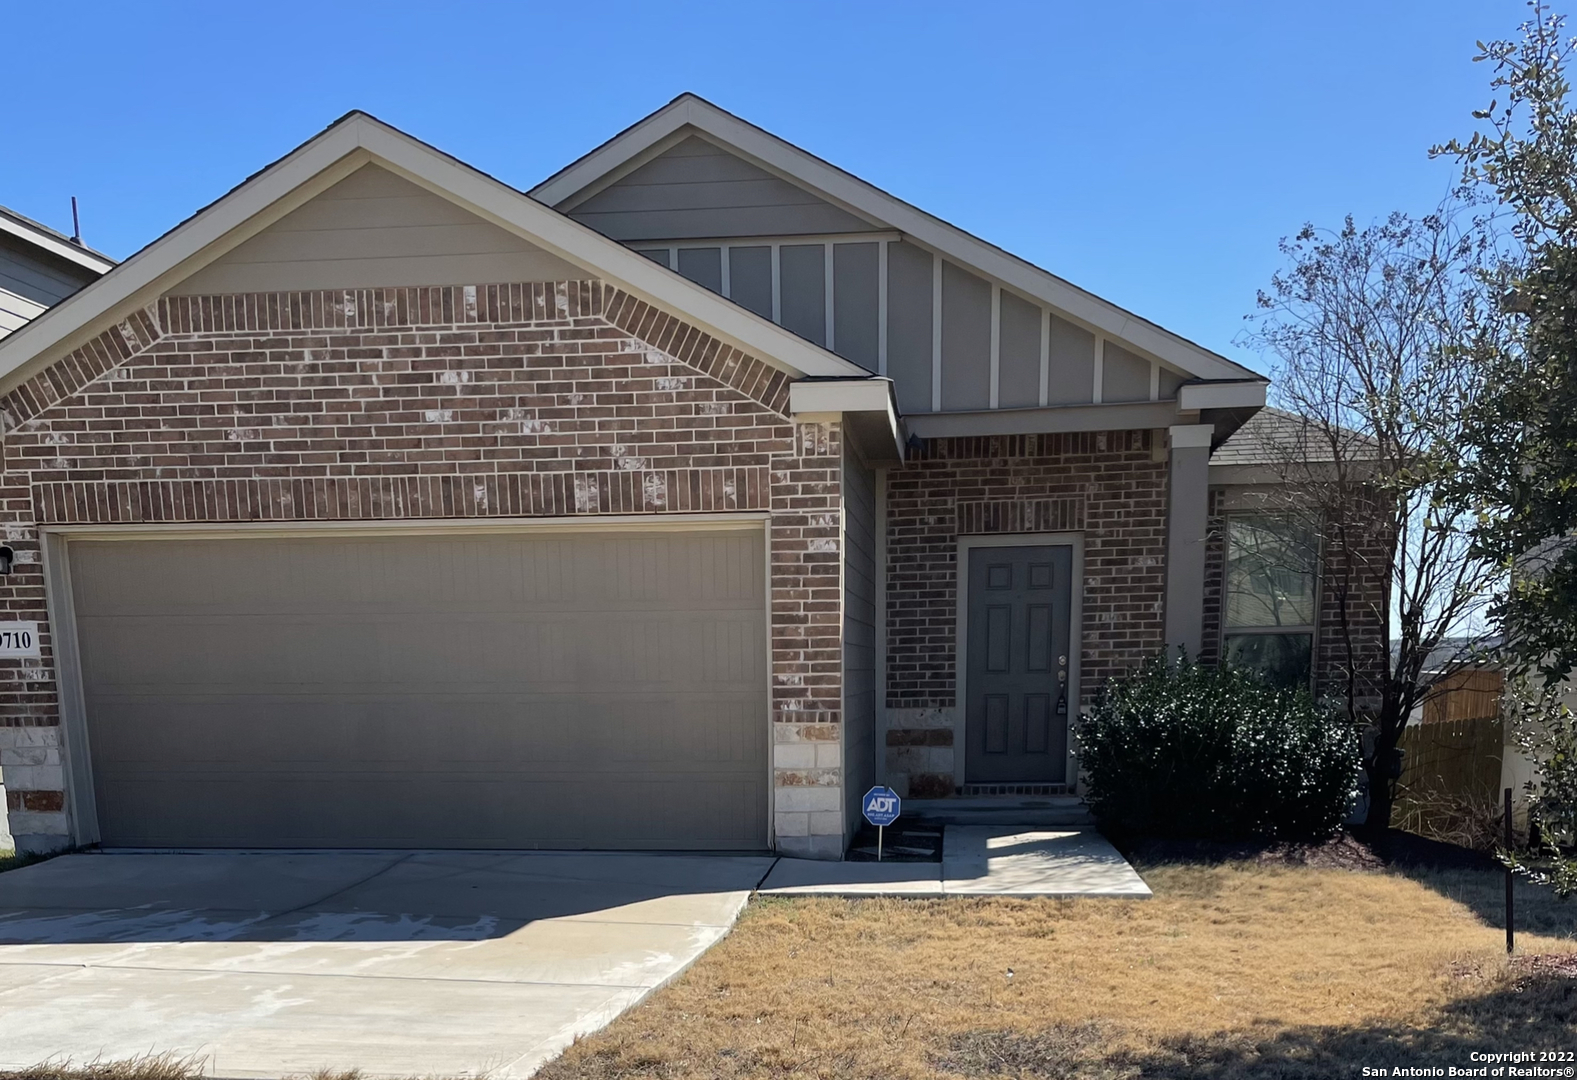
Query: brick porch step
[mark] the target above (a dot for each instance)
(1000, 810)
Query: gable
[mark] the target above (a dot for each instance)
(697, 189)
(937, 342)
(374, 229)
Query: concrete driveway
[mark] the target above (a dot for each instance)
(279, 963)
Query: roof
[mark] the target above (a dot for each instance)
(55, 243)
(690, 114)
(354, 140)
(1266, 438)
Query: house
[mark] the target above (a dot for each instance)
(40, 267)
(669, 505)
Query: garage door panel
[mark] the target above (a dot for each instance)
(517, 652)
(443, 573)
(320, 712)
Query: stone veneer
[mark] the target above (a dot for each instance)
(563, 399)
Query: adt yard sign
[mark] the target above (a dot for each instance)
(880, 806)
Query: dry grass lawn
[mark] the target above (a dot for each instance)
(1232, 970)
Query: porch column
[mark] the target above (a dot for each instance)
(1187, 521)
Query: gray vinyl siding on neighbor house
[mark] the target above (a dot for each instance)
(697, 189)
(37, 276)
(909, 317)
(859, 635)
(375, 229)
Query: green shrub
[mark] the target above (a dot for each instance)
(1187, 750)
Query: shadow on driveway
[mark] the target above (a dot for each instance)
(356, 895)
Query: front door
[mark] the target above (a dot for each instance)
(1017, 659)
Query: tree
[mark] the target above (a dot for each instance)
(1522, 430)
(1366, 328)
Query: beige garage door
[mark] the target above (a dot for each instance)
(593, 690)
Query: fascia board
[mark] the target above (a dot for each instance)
(1048, 420)
(864, 395)
(613, 155)
(188, 247)
(1224, 395)
(607, 259)
(62, 249)
(872, 203)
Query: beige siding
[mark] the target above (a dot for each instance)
(376, 229)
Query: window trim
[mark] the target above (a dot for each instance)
(1311, 630)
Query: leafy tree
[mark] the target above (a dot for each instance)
(1521, 431)
(1365, 327)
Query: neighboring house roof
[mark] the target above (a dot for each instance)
(352, 142)
(40, 267)
(1268, 437)
(860, 202)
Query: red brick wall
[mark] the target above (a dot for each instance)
(1105, 484)
(559, 399)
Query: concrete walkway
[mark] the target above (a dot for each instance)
(276, 964)
(977, 860)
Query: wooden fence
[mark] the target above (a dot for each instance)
(1450, 787)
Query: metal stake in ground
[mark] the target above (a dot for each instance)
(1511, 882)
(881, 807)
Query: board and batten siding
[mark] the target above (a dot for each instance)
(859, 634)
(951, 340)
(374, 229)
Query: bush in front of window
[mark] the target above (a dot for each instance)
(1187, 750)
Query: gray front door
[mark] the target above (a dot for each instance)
(1018, 665)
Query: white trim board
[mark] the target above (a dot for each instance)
(690, 114)
(352, 142)
(968, 543)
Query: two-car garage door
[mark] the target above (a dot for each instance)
(507, 690)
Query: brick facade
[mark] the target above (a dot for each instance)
(1110, 486)
(1356, 582)
(517, 400)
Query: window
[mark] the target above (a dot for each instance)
(1270, 598)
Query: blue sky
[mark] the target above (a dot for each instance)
(1150, 152)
